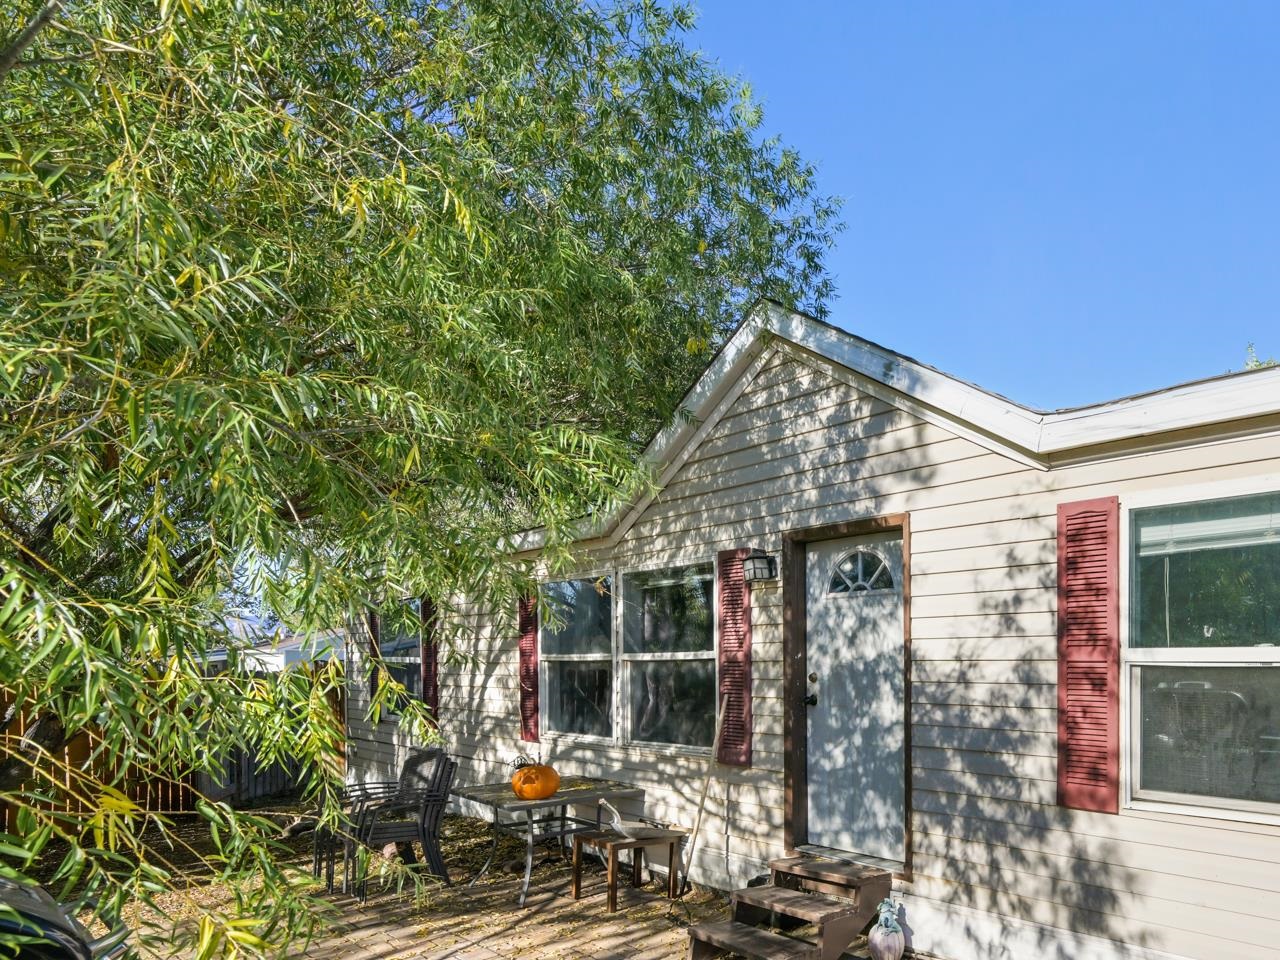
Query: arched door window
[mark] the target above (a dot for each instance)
(859, 572)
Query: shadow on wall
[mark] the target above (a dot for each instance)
(798, 450)
(989, 835)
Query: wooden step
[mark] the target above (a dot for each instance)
(809, 907)
(707, 939)
(851, 875)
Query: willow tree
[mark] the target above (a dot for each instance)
(312, 303)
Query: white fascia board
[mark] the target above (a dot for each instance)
(1028, 435)
(1178, 408)
(1015, 425)
(1201, 404)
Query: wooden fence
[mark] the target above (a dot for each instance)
(154, 794)
(245, 781)
(248, 780)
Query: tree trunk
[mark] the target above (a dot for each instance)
(46, 734)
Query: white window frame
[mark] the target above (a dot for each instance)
(626, 659)
(1131, 659)
(395, 716)
(611, 657)
(618, 661)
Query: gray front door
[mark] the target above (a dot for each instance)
(854, 648)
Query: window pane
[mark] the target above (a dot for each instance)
(578, 616)
(400, 644)
(397, 639)
(580, 697)
(408, 674)
(666, 611)
(1211, 731)
(1207, 574)
(673, 701)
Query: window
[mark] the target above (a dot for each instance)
(577, 648)
(660, 647)
(1204, 652)
(859, 572)
(668, 652)
(398, 634)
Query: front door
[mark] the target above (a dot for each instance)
(854, 650)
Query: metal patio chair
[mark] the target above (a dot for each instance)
(401, 820)
(416, 774)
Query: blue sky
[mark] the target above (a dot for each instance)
(1062, 202)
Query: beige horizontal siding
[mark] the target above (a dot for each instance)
(797, 448)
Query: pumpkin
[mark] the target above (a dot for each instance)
(886, 941)
(535, 781)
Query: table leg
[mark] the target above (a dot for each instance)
(637, 858)
(528, 856)
(612, 876)
(493, 848)
(673, 870)
(577, 868)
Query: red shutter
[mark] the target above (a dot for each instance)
(1089, 655)
(431, 657)
(375, 652)
(734, 620)
(528, 623)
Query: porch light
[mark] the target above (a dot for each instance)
(758, 566)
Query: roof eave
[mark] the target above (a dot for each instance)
(1033, 436)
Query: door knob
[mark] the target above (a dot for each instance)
(811, 700)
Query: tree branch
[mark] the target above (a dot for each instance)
(9, 56)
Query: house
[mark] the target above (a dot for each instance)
(273, 650)
(1030, 661)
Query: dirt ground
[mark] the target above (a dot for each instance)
(480, 922)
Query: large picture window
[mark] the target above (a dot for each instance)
(668, 651)
(1204, 652)
(577, 649)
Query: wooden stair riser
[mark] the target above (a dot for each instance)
(802, 892)
(839, 922)
(706, 940)
(813, 886)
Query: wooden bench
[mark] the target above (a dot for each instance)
(610, 844)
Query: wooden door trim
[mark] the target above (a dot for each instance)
(794, 668)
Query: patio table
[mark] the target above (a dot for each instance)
(539, 821)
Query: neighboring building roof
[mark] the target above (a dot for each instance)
(1220, 405)
(273, 652)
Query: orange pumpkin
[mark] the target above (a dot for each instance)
(537, 781)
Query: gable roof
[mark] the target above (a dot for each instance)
(1038, 438)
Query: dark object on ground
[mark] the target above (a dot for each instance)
(56, 933)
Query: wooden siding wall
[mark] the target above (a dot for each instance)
(802, 447)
